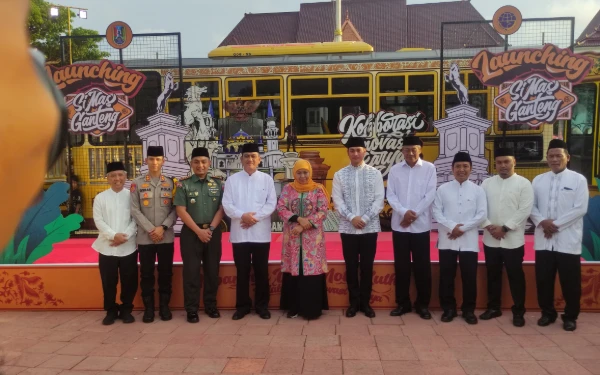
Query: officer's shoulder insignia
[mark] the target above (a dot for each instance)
(162, 178)
(132, 188)
(179, 184)
(147, 177)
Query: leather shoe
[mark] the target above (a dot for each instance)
(400, 311)
(423, 313)
(518, 321)
(469, 317)
(238, 314)
(264, 314)
(212, 312)
(448, 315)
(351, 312)
(369, 313)
(192, 317)
(489, 314)
(546, 320)
(292, 314)
(569, 325)
(110, 318)
(126, 317)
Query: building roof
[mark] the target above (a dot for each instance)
(591, 35)
(387, 25)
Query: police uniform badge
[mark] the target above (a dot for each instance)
(132, 188)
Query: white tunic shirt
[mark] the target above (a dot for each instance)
(358, 191)
(562, 197)
(455, 204)
(509, 203)
(112, 215)
(250, 193)
(412, 189)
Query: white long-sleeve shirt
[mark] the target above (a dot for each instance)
(112, 215)
(358, 191)
(561, 197)
(250, 193)
(412, 189)
(455, 204)
(509, 203)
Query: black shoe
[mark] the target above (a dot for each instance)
(369, 313)
(239, 314)
(449, 315)
(212, 312)
(351, 312)
(192, 317)
(518, 320)
(164, 312)
(400, 311)
(264, 314)
(126, 317)
(292, 314)
(148, 309)
(469, 317)
(111, 316)
(423, 313)
(489, 314)
(569, 325)
(546, 320)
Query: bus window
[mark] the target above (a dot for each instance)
(581, 137)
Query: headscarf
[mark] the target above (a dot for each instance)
(310, 185)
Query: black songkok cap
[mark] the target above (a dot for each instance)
(355, 142)
(462, 156)
(249, 147)
(115, 166)
(557, 143)
(155, 151)
(412, 140)
(200, 151)
(505, 152)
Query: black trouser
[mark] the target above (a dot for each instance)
(148, 255)
(417, 244)
(512, 259)
(569, 274)
(113, 267)
(468, 273)
(359, 253)
(195, 253)
(257, 255)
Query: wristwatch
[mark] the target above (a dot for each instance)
(505, 228)
(165, 227)
(211, 228)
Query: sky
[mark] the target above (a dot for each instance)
(203, 24)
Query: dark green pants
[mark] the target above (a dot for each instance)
(195, 253)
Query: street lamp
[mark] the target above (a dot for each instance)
(54, 14)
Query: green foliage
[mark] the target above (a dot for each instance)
(45, 34)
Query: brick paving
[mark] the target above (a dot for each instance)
(74, 342)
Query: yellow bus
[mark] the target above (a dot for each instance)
(312, 88)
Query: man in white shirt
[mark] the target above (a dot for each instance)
(509, 199)
(249, 200)
(116, 245)
(560, 203)
(358, 195)
(459, 208)
(410, 192)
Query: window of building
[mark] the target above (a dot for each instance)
(318, 104)
(409, 93)
(527, 148)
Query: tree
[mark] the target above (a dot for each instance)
(45, 32)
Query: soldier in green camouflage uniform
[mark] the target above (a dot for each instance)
(198, 204)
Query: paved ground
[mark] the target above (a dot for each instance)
(76, 343)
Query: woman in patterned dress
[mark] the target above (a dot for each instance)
(303, 207)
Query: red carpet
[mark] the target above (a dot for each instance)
(80, 250)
